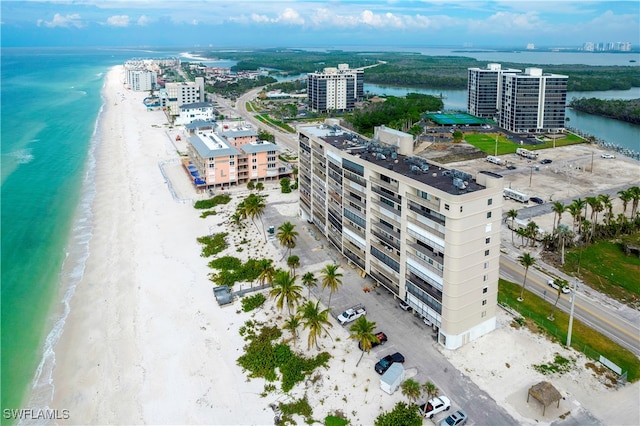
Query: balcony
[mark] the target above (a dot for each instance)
(393, 197)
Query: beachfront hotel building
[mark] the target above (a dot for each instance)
(335, 89)
(428, 234)
(230, 154)
(175, 95)
(520, 102)
(484, 90)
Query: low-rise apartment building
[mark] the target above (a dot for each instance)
(230, 154)
(428, 234)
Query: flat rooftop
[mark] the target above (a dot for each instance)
(451, 181)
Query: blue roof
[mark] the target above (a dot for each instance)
(260, 146)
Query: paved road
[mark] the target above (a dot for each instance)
(598, 313)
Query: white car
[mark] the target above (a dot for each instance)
(552, 284)
(608, 156)
(435, 406)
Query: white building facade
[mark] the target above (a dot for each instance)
(335, 89)
(430, 236)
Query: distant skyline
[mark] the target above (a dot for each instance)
(315, 23)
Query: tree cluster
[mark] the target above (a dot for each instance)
(625, 110)
(394, 112)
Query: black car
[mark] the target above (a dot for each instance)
(545, 161)
(382, 339)
(384, 364)
(536, 200)
(511, 167)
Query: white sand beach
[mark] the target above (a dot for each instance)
(146, 343)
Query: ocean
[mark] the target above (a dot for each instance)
(51, 103)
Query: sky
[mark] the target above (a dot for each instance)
(315, 23)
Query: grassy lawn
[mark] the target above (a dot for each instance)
(583, 338)
(605, 267)
(265, 118)
(486, 142)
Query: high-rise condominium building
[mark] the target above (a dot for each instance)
(335, 89)
(521, 102)
(140, 80)
(483, 90)
(430, 235)
(533, 102)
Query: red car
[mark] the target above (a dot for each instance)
(382, 339)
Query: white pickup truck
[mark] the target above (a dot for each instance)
(352, 314)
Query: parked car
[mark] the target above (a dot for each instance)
(435, 406)
(404, 305)
(608, 156)
(536, 200)
(386, 362)
(455, 419)
(552, 284)
(426, 321)
(545, 161)
(382, 339)
(511, 167)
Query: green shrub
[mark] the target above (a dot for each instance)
(212, 202)
(208, 213)
(213, 244)
(225, 262)
(252, 302)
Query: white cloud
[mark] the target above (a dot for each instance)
(507, 22)
(290, 16)
(118, 21)
(67, 21)
(143, 21)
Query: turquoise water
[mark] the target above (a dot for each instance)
(50, 104)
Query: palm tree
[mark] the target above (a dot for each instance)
(557, 208)
(411, 389)
(309, 280)
(259, 186)
(285, 290)
(254, 206)
(511, 215)
(292, 325)
(575, 211)
(605, 200)
(314, 319)
(635, 198)
(532, 232)
(625, 196)
(525, 260)
(236, 219)
(293, 262)
(432, 391)
(564, 234)
(287, 235)
(562, 284)
(268, 272)
(594, 204)
(331, 278)
(578, 204)
(362, 332)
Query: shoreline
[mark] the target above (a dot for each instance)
(134, 349)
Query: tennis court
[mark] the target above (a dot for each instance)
(459, 118)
